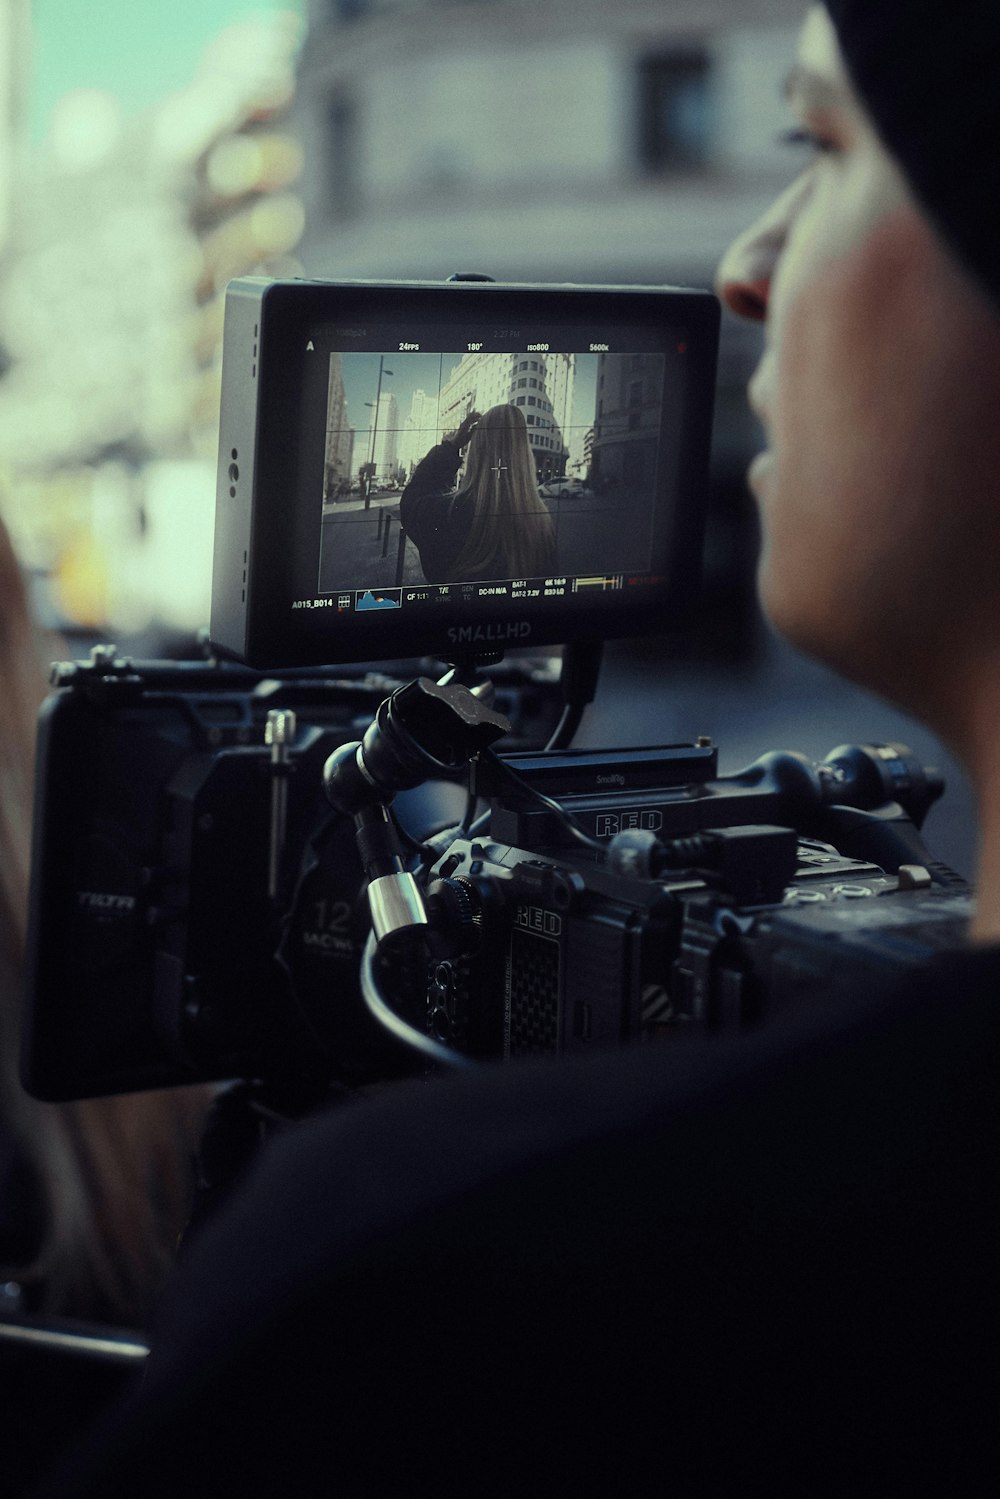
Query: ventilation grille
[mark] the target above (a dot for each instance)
(533, 1009)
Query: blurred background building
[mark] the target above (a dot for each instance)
(361, 138)
(571, 141)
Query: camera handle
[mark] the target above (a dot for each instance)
(425, 730)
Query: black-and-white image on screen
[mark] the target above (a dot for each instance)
(555, 471)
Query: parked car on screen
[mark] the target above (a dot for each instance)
(565, 486)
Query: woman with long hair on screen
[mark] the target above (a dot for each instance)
(495, 525)
(93, 1194)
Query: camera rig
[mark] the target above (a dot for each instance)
(228, 866)
(243, 873)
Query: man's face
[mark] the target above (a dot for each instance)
(878, 394)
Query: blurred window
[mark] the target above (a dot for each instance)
(675, 110)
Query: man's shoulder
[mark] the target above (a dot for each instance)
(780, 1241)
(684, 1111)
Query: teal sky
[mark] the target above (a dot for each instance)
(138, 49)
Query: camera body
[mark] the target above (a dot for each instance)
(570, 949)
(574, 956)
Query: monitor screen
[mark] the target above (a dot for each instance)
(462, 469)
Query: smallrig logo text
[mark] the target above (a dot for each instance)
(610, 780)
(99, 901)
(473, 634)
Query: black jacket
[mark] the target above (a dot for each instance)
(433, 515)
(429, 516)
(705, 1267)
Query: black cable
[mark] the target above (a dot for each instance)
(408, 839)
(581, 666)
(472, 802)
(482, 821)
(387, 1016)
(565, 730)
(565, 819)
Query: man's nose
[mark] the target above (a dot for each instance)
(743, 280)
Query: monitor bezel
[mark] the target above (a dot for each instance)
(276, 636)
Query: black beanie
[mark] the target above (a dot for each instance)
(928, 74)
